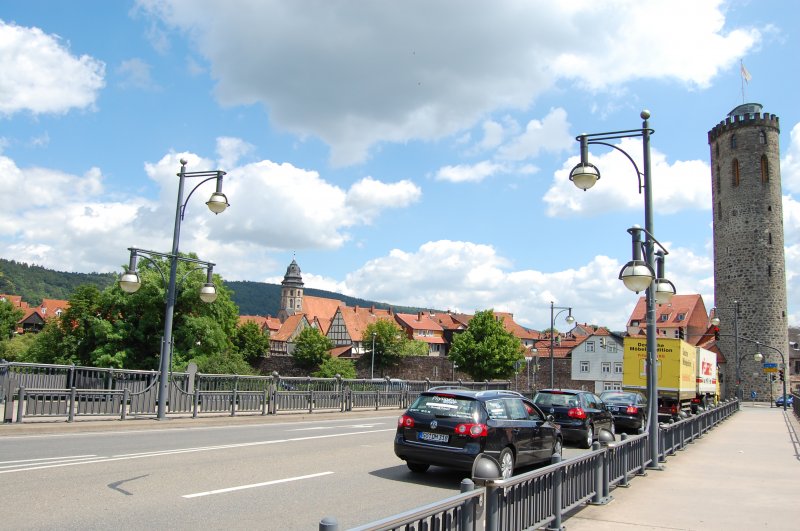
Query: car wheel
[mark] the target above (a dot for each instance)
(558, 447)
(507, 463)
(589, 439)
(419, 468)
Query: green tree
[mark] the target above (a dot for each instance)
(333, 366)
(389, 342)
(16, 348)
(9, 317)
(486, 350)
(311, 348)
(251, 342)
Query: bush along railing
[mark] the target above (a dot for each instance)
(542, 497)
(32, 390)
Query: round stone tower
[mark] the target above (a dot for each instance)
(749, 264)
(291, 292)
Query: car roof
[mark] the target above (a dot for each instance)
(563, 391)
(474, 394)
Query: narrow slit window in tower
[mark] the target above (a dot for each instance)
(719, 180)
(733, 141)
(735, 173)
(764, 169)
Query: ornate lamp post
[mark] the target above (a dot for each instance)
(569, 319)
(217, 203)
(635, 274)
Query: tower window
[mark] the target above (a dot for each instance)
(735, 173)
(719, 210)
(762, 137)
(769, 238)
(769, 270)
(716, 148)
(719, 180)
(764, 169)
(733, 141)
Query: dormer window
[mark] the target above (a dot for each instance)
(664, 317)
(681, 316)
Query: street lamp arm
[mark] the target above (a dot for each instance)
(651, 238)
(612, 135)
(213, 175)
(639, 174)
(757, 343)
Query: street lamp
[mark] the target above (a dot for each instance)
(715, 321)
(217, 203)
(569, 319)
(759, 356)
(372, 366)
(584, 175)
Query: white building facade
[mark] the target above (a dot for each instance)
(597, 361)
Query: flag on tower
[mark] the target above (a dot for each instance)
(745, 74)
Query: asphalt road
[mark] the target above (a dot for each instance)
(285, 474)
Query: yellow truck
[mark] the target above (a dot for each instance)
(686, 375)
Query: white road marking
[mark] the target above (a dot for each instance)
(315, 428)
(48, 459)
(254, 485)
(27, 462)
(125, 457)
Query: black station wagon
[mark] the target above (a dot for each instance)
(450, 427)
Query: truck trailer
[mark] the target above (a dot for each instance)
(686, 375)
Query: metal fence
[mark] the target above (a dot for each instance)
(542, 497)
(35, 390)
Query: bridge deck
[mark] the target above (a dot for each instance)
(742, 475)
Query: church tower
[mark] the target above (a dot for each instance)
(749, 263)
(291, 292)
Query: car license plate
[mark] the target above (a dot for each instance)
(433, 437)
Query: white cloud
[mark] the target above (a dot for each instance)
(469, 172)
(464, 276)
(549, 134)
(231, 150)
(40, 75)
(135, 73)
(396, 79)
(790, 164)
(368, 197)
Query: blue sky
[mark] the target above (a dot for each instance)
(410, 152)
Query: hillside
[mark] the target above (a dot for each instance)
(35, 283)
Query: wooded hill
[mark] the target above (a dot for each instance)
(35, 283)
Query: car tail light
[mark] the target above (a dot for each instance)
(674, 409)
(576, 413)
(632, 410)
(473, 430)
(405, 421)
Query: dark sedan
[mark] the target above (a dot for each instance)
(450, 427)
(628, 408)
(581, 414)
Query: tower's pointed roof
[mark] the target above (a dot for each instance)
(293, 277)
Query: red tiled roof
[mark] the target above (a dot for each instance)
(419, 321)
(288, 328)
(320, 307)
(357, 318)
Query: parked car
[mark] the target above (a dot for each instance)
(629, 409)
(789, 401)
(581, 414)
(450, 427)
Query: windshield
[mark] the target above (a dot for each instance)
(556, 399)
(443, 405)
(618, 397)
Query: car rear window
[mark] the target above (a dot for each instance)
(445, 405)
(619, 397)
(556, 399)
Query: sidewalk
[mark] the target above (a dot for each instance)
(743, 474)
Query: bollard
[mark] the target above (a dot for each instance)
(126, 395)
(21, 404)
(72, 400)
(328, 523)
(599, 472)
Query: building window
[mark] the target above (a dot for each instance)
(617, 368)
(733, 141)
(664, 317)
(681, 316)
(635, 323)
(735, 173)
(605, 367)
(590, 346)
(769, 238)
(719, 180)
(762, 137)
(764, 169)
(611, 346)
(584, 366)
(719, 209)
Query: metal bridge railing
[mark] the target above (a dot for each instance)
(541, 497)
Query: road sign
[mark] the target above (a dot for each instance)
(770, 367)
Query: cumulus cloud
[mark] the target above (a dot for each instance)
(548, 134)
(40, 75)
(396, 79)
(469, 172)
(464, 276)
(135, 73)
